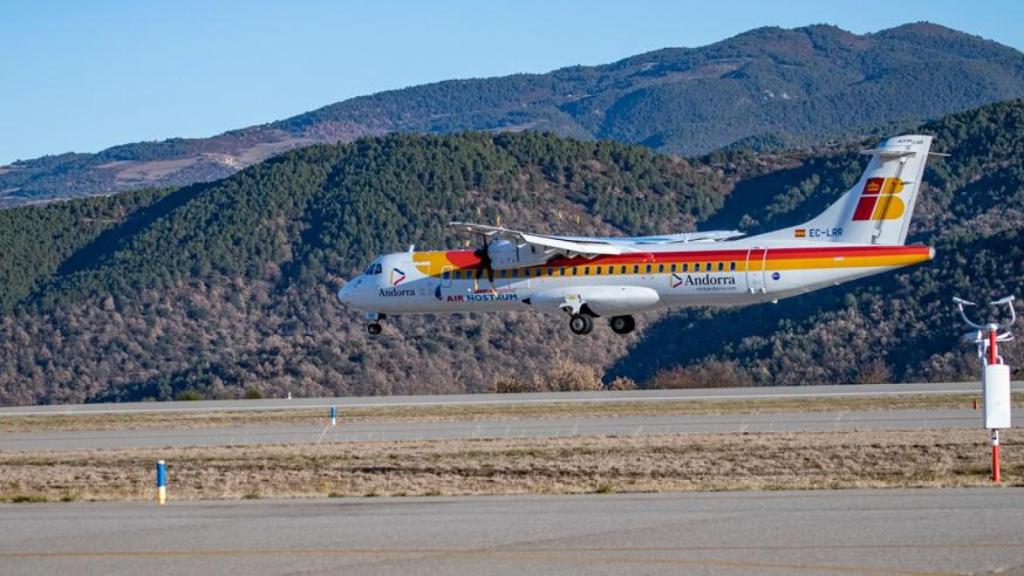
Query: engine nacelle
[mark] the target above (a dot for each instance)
(507, 255)
(601, 300)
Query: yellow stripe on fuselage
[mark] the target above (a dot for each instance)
(435, 263)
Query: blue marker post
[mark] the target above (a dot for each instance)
(334, 415)
(161, 482)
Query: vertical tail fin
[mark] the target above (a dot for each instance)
(877, 210)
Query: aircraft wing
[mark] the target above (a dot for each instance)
(593, 246)
(582, 246)
(707, 236)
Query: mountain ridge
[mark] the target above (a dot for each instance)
(773, 84)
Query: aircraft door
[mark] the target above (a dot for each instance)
(446, 277)
(757, 258)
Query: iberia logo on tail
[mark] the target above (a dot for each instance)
(879, 200)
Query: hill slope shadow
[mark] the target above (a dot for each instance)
(110, 241)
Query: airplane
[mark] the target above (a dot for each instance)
(863, 233)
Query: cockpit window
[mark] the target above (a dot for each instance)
(373, 268)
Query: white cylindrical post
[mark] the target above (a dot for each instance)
(334, 415)
(161, 482)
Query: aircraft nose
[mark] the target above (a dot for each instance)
(345, 294)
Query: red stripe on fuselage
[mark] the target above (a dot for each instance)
(468, 258)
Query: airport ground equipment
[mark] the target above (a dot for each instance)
(995, 376)
(334, 415)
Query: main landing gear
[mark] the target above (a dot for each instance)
(374, 327)
(622, 324)
(582, 323)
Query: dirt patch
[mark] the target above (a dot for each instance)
(769, 461)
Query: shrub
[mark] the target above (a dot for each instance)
(188, 395)
(622, 383)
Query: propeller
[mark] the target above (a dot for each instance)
(484, 254)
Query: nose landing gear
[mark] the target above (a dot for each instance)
(374, 327)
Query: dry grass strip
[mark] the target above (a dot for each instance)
(754, 461)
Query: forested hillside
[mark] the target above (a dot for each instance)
(768, 86)
(223, 286)
(215, 289)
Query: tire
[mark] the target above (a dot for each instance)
(374, 329)
(622, 324)
(581, 324)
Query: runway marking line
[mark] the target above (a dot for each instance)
(472, 551)
(553, 554)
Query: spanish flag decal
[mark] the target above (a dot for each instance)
(800, 233)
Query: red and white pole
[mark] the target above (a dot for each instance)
(993, 359)
(995, 456)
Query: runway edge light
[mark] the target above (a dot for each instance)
(161, 482)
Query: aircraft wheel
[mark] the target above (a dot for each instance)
(581, 324)
(622, 324)
(374, 328)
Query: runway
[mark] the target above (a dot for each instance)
(318, 431)
(831, 532)
(831, 391)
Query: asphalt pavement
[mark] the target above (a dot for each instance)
(829, 532)
(830, 391)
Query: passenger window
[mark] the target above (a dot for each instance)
(685, 266)
(661, 268)
(622, 270)
(502, 274)
(561, 271)
(732, 266)
(696, 266)
(445, 275)
(586, 271)
(551, 271)
(707, 266)
(636, 269)
(672, 268)
(648, 268)
(598, 271)
(574, 271)
(721, 266)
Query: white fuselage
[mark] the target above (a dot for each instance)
(692, 274)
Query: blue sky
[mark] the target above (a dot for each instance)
(83, 76)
